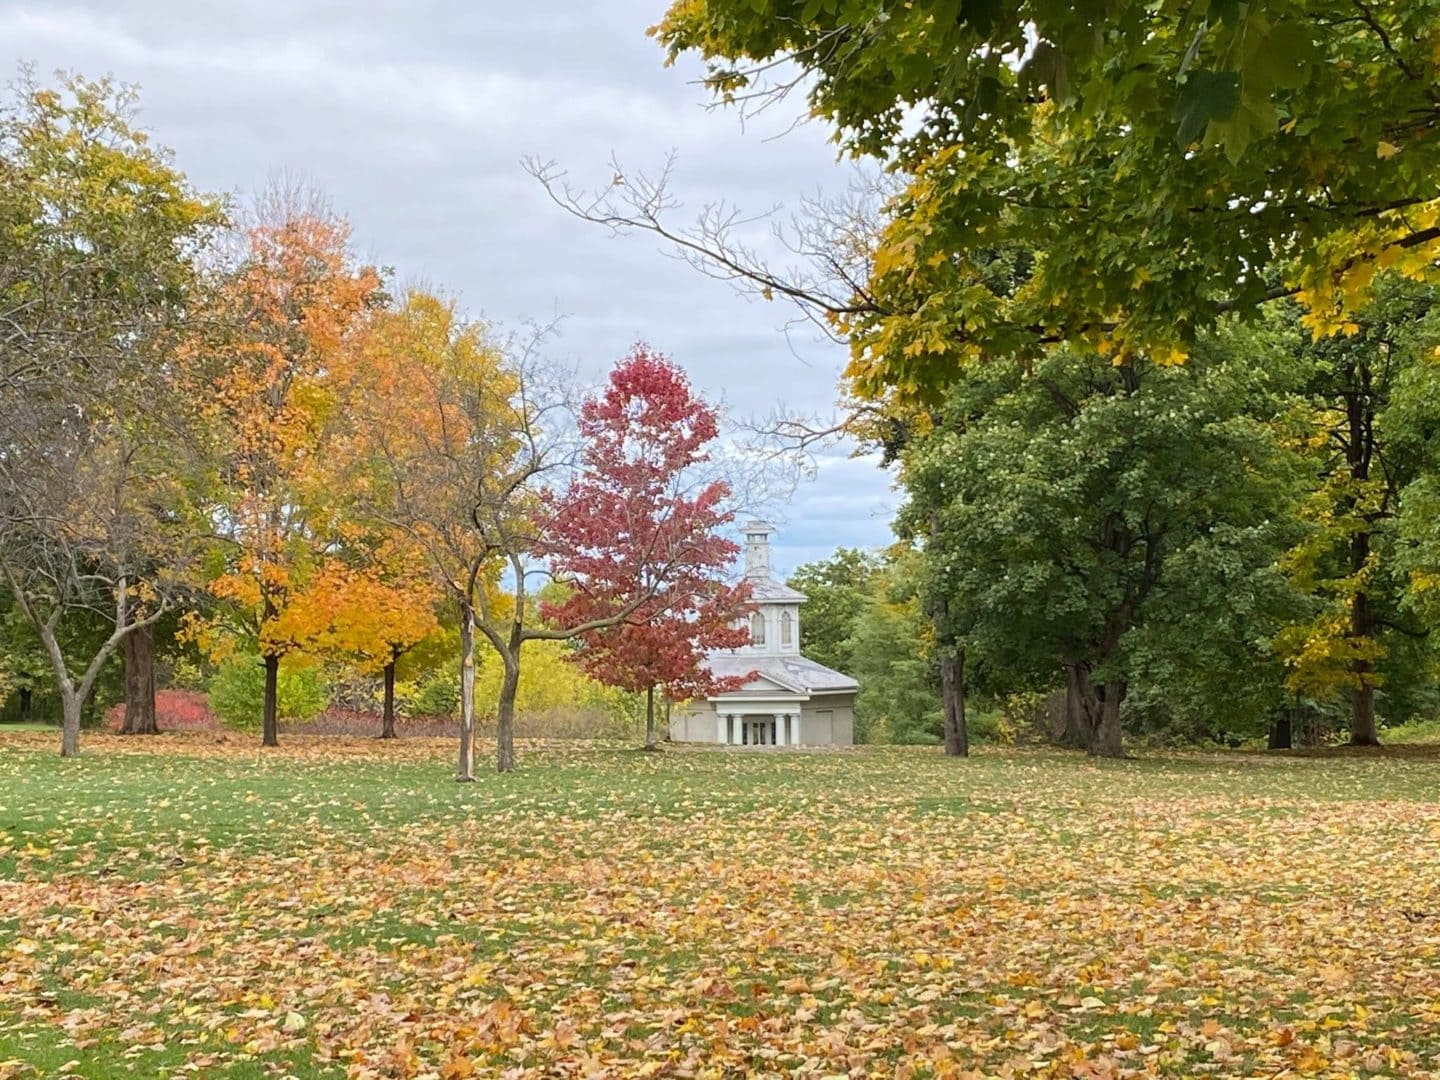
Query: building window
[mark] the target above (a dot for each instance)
(787, 629)
(757, 628)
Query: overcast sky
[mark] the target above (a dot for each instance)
(414, 117)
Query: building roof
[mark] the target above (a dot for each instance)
(804, 675)
(768, 590)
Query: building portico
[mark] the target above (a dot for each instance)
(754, 723)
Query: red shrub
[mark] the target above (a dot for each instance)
(175, 710)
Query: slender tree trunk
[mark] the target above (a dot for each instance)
(26, 703)
(1109, 738)
(70, 705)
(650, 718)
(505, 721)
(139, 652)
(1359, 449)
(387, 726)
(952, 690)
(1363, 731)
(271, 727)
(465, 767)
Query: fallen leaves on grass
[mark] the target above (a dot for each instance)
(190, 907)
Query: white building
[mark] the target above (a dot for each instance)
(791, 701)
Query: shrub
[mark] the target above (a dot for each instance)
(175, 710)
(436, 694)
(237, 692)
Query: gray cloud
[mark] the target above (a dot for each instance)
(414, 118)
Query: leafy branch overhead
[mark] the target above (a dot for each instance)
(1178, 160)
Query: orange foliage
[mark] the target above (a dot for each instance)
(297, 303)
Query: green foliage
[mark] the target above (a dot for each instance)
(237, 691)
(1119, 523)
(437, 693)
(1179, 160)
(890, 656)
(838, 591)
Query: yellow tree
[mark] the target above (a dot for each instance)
(297, 302)
(430, 402)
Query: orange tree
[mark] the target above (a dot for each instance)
(296, 302)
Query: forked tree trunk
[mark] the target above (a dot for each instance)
(26, 703)
(139, 653)
(952, 690)
(271, 725)
(505, 720)
(387, 725)
(465, 767)
(650, 718)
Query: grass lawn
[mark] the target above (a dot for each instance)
(185, 906)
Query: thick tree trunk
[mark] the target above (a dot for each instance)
(387, 724)
(1109, 739)
(1282, 732)
(70, 705)
(27, 698)
(1079, 718)
(952, 691)
(650, 718)
(465, 767)
(271, 725)
(139, 652)
(505, 720)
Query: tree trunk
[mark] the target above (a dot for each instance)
(505, 720)
(387, 725)
(650, 718)
(952, 691)
(26, 703)
(1359, 449)
(1363, 731)
(70, 705)
(139, 652)
(1078, 721)
(1282, 732)
(1109, 738)
(271, 732)
(465, 767)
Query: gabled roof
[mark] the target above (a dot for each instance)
(802, 675)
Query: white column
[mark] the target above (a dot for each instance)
(795, 728)
(722, 732)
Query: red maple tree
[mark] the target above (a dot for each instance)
(638, 529)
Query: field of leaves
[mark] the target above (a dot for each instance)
(188, 906)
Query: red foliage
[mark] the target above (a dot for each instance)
(638, 531)
(175, 710)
